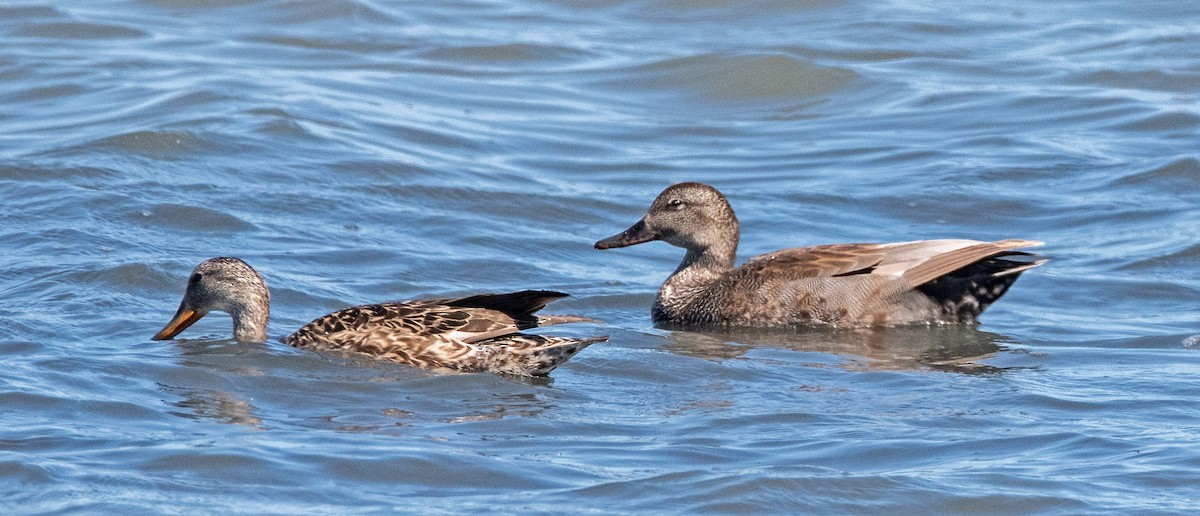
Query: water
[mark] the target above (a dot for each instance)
(359, 150)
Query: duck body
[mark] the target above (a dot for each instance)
(839, 285)
(468, 334)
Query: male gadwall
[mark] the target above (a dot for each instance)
(469, 334)
(842, 285)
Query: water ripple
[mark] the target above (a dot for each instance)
(705, 80)
(358, 151)
(79, 30)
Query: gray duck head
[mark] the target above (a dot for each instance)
(694, 216)
(227, 285)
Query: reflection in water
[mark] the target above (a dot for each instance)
(388, 420)
(509, 404)
(208, 364)
(222, 406)
(397, 421)
(947, 348)
(202, 352)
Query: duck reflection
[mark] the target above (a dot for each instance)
(386, 421)
(221, 406)
(511, 404)
(210, 364)
(952, 348)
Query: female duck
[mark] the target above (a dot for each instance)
(469, 334)
(843, 285)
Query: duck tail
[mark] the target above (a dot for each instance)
(536, 355)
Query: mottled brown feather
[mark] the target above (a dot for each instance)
(477, 333)
(474, 333)
(815, 262)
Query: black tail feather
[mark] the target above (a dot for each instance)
(967, 292)
(518, 305)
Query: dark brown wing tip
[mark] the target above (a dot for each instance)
(551, 294)
(518, 305)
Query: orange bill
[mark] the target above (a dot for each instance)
(183, 318)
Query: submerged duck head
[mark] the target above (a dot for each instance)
(694, 216)
(227, 285)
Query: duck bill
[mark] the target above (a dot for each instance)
(636, 234)
(183, 318)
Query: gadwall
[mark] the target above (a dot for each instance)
(841, 285)
(469, 334)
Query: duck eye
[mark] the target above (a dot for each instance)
(194, 279)
(676, 203)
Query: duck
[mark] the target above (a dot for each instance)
(466, 334)
(837, 285)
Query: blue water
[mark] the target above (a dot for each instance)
(362, 150)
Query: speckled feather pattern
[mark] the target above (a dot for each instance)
(436, 334)
(468, 334)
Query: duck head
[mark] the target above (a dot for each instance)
(694, 216)
(227, 285)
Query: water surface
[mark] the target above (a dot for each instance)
(360, 150)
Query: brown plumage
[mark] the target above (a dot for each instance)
(844, 285)
(469, 334)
